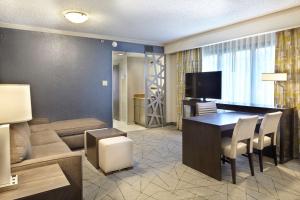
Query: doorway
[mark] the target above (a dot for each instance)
(128, 89)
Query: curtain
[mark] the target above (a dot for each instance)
(288, 61)
(187, 61)
(242, 62)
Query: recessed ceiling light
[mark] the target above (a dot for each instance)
(76, 17)
(120, 54)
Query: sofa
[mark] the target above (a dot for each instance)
(50, 143)
(70, 131)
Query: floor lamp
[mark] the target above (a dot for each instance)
(277, 78)
(15, 107)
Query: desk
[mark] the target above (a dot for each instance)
(201, 140)
(287, 140)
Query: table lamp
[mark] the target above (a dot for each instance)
(15, 107)
(277, 78)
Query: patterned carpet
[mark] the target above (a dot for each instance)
(159, 174)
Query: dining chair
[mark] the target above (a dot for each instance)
(203, 108)
(267, 136)
(234, 146)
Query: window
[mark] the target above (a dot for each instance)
(242, 62)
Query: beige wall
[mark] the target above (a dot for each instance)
(171, 76)
(136, 82)
(270, 23)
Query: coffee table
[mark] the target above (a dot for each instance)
(92, 138)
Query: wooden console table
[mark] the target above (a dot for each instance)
(288, 138)
(41, 183)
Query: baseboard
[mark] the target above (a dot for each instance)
(171, 124)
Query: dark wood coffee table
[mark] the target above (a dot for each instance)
(92, 138)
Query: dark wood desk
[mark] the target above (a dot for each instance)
(287, 141)
(201, 140)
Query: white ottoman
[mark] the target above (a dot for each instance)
(115, 153)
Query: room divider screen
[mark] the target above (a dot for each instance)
(155, 89)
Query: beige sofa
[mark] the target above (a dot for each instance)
(40, 144)
(71, 131)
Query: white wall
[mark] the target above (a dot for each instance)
(136, 82)
(171, 89)
(270, 23)
(123, 89)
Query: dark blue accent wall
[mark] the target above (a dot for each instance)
(65, 72)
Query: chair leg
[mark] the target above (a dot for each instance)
(233, 170)
(223, 159)
(274, 154)
(260, 155)
(251, 163)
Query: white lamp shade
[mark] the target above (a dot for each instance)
(15, 103)
(274, 77)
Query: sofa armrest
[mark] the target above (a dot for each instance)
(36, 121)
(70, 163)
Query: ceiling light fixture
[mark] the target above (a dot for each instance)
(76, 17)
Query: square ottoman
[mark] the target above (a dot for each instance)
(92, 138)
(115, 154)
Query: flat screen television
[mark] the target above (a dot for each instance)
(203, 85)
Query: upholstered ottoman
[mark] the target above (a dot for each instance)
(92, 138)
(115, 154)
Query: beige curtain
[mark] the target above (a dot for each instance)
(288, 61)
(187, 61)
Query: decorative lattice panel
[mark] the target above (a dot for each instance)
(155, 89)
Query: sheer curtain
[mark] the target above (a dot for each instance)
(242, 62)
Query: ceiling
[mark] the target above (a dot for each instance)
(142, 21)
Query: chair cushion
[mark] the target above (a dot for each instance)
(49, 149)
(204, 108)
(40, 127)
(226, 147)
(20, 146)
(44, 137)
(267, 141)
(76, 126)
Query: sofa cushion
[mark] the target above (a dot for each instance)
(49, 149)
(74, 141)
(20, 146)
(24, 127)
(44, 137)
(40, 127)
(76, 126)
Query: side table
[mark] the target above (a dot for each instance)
(41, 183)
(92, 138)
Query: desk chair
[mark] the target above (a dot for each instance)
(203, 108)
(267, 136)
(231, 147)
